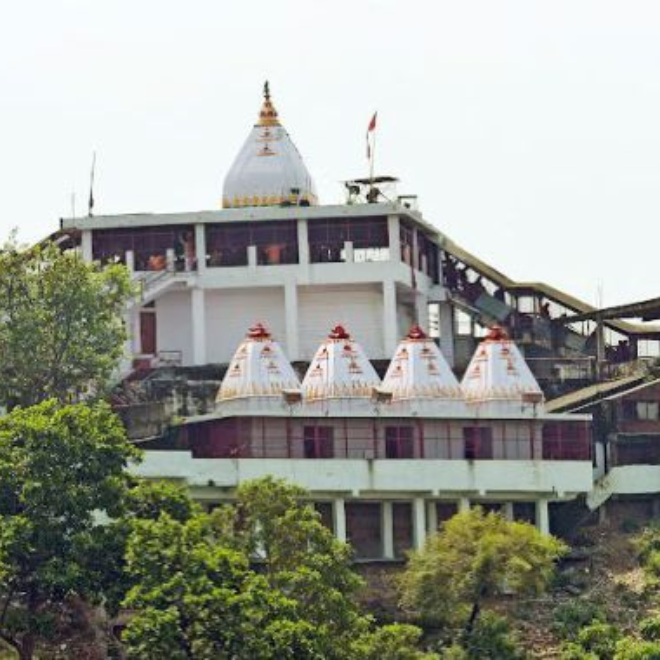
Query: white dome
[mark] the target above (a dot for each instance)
(268, 170)
(257, 376)
(341, 375)
(420, 379)
(499, 380)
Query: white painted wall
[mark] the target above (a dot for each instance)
(358, 308)
(230, 312)
(174, 324)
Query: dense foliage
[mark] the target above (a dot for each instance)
(476, 556)
(262, 578)
(61, 470)
(61, 326)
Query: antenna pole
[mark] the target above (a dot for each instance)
(373, 155)
(90, 205)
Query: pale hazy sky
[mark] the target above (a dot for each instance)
(529, 129)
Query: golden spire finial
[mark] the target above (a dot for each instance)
(268, 114)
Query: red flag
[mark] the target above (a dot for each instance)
(370, 129)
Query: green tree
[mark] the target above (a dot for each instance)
(273, 522)
(397, 641)
(62, 469)
(195, 598)
(61, 326)
(476, 556)
(261, 578)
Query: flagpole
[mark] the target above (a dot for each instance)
(90, 204)
(373, 155)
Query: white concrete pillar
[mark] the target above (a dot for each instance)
(349, 256)
(198, 314)
(130, 261)
(394, 237)
(134, 340)
(542, 516)
(291, 311)
(339, 519)
(431, 517)
(126, 362)
(446, 319)
(507, 511)
(86, 245)
(422, 310)
(390, 324)
(463, 504)
(200, 247)
(252, 256)
(170, 259)
(387, 529)
(415, 251)
(419, 523)
(303, 241)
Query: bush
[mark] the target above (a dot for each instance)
(633, 649)
(647, 545)
(491, 639)
(599, 638)
(571, 617)
(573, 651)
(649, 629)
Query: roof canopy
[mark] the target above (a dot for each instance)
(258, 373)
(268, 170)
(498, 377)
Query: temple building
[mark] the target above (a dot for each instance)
(353, 349)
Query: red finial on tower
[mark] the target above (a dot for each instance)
(339, 332)
(258, 331)
(416, 332)
(497, 333)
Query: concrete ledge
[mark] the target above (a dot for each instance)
(633, 480)
(432, 477)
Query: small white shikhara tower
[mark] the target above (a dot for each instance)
(257, 377)
(420, 379)
(340, 378)
(268, 170)
(498, 381)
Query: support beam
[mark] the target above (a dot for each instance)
(200, 248)
(600, 347)
(130, 261)
(463, 505)
(86, 245)
(252, 256)
(339, 519)
(422, 310)
(507, 511)
(394, 236)
(390, 324)
(198, 312)
(431, 517)
(387, 529)
(542, 516)
(419, 523)
(303, 241)
(447, 331)
(291, 311)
